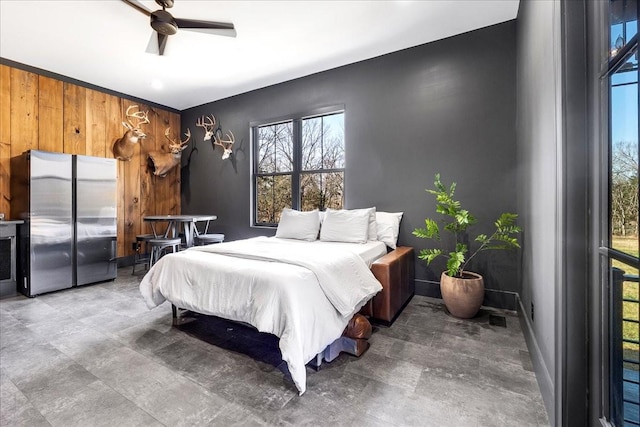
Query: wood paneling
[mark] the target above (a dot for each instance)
(50, 119)
(132, 219)
(147, 187)
(96, 123)
(24, 111)
(174, 174)
(163, 145)
(5, 139)
(114, 128)
(38, 112)
(75, 119)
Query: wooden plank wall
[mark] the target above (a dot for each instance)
(42, 113)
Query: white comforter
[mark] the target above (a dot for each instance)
(301, 292)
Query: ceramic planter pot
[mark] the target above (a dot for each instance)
(462, 296)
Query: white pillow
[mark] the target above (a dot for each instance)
(373, 228)
(388, 227)
(345, 226)
(298, 225)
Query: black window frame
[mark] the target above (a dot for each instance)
(296, 120)
(610, 279)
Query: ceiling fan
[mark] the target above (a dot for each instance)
(164, 24)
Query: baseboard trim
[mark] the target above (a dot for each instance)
(494, 298)
(547, 389)
(427, 288)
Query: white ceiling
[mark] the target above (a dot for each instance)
(103, 42)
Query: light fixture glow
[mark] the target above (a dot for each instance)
(156, 84)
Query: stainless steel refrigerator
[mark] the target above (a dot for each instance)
(68, 203)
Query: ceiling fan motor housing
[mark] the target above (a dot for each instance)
(163, 23)
(165, 3)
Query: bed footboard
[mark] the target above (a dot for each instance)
(395, 271)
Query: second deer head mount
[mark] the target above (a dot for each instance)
(161, 162)
(211, 131)
(123, 146)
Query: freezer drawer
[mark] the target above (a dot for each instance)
(96, 260)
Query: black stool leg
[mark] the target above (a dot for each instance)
(136, 256)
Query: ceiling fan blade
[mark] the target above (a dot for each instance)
(209, 27)
(162, 43)
(138, 6)
(152, 46)
(214, 31)
(157, 43)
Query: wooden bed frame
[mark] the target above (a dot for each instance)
(395, 271)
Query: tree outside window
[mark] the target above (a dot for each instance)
(298, 163)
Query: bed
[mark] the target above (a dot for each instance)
(303, 291)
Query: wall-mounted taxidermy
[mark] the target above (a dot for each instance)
(161, 162)
(123, 147)
(209, 126)
(210, 130)
(226, 144)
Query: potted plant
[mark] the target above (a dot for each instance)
(462, 290)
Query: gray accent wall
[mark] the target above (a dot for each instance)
(539, 185)
(447, 106)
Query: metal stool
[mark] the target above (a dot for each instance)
(160, 245)
(140, 256)
(208, 239)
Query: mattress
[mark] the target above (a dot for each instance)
(369, 252)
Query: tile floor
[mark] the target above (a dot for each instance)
(95, 356)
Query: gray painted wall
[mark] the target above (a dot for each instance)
(447, 106)
(538, 89)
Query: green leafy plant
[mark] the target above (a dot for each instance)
(460, 220)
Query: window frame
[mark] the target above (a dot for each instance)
(610, 381)
(296, 172)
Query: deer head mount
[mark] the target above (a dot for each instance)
(161, 162)
(209, 126)
(123, 147)
(211, 131)
(226, 144)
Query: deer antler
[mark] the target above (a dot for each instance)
(123, 146)
(177, 147)
(208, 123)
(141, 116)
(225, 144)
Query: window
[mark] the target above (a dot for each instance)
(622, 230)
(298, 163)
(619, 231)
